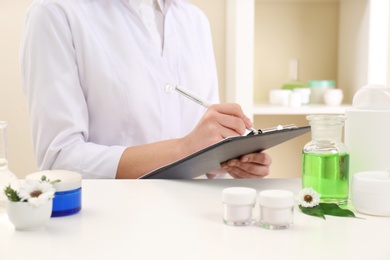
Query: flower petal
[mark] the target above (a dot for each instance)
(312, 193)
(31, 187)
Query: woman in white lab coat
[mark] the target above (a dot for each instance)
(95, 76)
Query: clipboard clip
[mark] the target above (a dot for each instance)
(272, 129)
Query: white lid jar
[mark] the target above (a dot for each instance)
(67, 198)
(276, 209)
(238, 203)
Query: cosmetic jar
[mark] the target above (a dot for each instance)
(276, 209)
(238, 203)
(371, 192)
(318, 88)
(67, 198)
(304, 93)
(333, 97)
(279, 97)
(295, 100)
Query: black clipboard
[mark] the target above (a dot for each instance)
(210, 158)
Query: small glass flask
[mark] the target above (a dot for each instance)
(325, 159)
(6, 176)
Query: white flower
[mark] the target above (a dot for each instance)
(308, 198)
(36, 192)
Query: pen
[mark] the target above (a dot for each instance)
(192, 96)
(277, 128)
(197, 99)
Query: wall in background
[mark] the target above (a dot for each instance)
(13, 105)
(215, 11)
(285, 31)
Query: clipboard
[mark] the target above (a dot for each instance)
(210, 158)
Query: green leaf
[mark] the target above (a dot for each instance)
(329, 206)
(11, 194)
(323, 209)
(44, 178)
(54, 182)
(335, 210)
(316, 211)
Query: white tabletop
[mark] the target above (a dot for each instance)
(182, 219)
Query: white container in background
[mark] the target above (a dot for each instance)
(318, 88)
(295, 100)
(279, 97)
(367, 130)
(333, 97)
(304, 93)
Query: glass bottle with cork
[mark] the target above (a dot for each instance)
(325, 159)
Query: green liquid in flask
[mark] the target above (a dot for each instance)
(328, 175)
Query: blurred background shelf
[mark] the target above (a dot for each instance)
(341, 40)
(267, 109)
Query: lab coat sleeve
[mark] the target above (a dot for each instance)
(57, 104)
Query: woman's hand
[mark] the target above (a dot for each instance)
(254, 165)
(221, 121)
(218, 122)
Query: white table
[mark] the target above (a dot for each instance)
(182, 219)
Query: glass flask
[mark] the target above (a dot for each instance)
(325, 159)
(6, 176)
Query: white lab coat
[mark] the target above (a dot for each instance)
(95, 82)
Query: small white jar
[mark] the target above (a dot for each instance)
(276, 209)
(238, 203)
